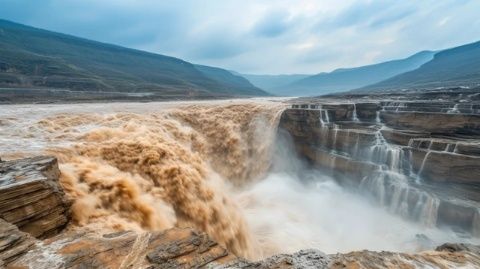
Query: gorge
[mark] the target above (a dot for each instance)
(372, 182)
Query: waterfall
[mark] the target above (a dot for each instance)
(377, 117)
(323, 114)
(448, 148)
(389, 185)
(392, 191)
(326, 116)
(429, 213)
(455, 148)
(453, 110)
(383, 153)
(322, 123)
(476, 224)
(334, 142)
(425, 158)
(354, 116)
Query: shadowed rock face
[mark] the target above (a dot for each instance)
(422, 155)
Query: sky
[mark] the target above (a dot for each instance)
(262, 36)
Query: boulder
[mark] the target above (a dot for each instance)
(31, 197)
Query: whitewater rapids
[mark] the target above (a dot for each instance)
(215, 166)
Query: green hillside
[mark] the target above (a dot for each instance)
(35, 58)
(351, 78)
(459, 66)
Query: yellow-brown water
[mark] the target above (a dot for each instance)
(151, 169)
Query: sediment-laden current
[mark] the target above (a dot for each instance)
(215, 166)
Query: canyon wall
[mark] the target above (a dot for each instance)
(420, 160)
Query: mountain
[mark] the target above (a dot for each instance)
(459, 66)
(230, 79)
(36, 58)
(351, 78)
(271, 82)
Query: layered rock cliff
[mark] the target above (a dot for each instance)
(419, 159)
(31, 197)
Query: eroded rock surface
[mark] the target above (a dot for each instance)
(174, 248)
(31, 197)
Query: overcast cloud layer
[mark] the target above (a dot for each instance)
(262, 36)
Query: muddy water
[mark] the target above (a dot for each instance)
(151, 166)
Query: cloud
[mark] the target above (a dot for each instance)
(218, 45)
(262, 36)
(273, 24)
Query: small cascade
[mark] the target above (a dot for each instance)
(400, 105)
(377, 117)
(322, 123)
(420, 171)
(476, 224)
(453, 110)
(455, 148)
(450, 147)
(426, 209)
(354, 115)
(383, 153)
(391, 187)
(334, 141)
(356, 147)
(324, 118)
(392, 191)
(327, 119)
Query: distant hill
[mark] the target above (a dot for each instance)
(459, 66)
(232, 80)
(351, 78)
(36, 58)
(271, 82)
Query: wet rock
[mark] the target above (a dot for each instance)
(13, 243)
(31, 197)
(308, 259)
(174, 248)
(402, 137)
(442, 166)
(460, 217)
(450, 247)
